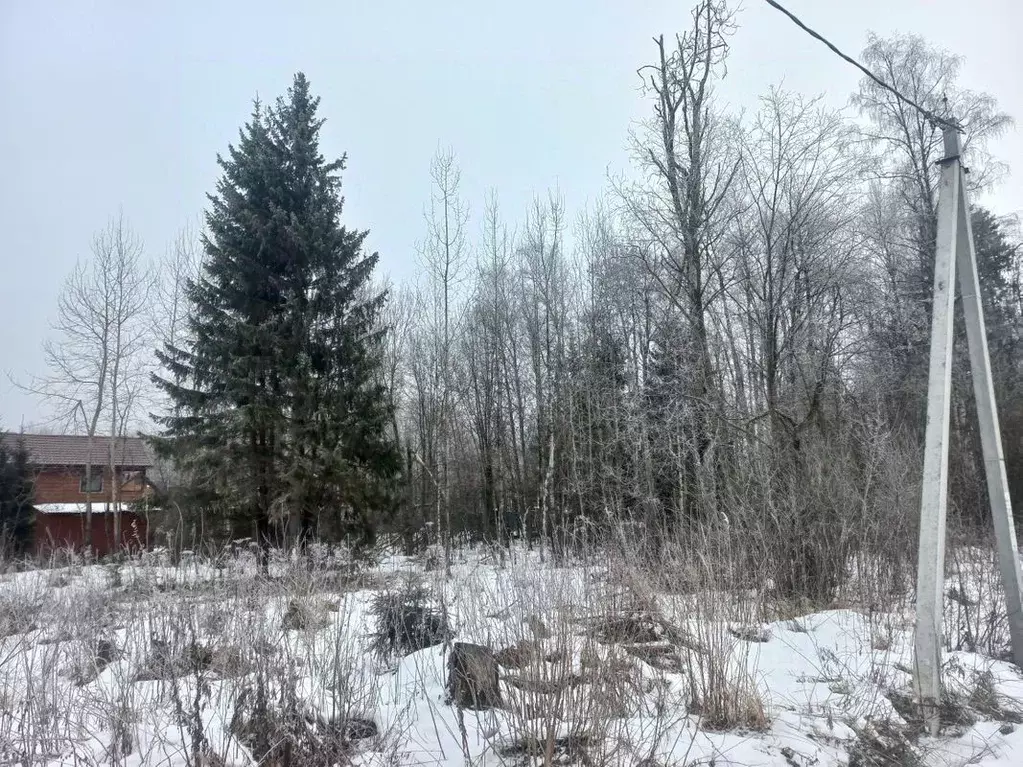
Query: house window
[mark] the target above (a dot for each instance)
(94, 485)
(134, 479)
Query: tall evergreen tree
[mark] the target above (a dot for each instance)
(16, 516)
(275, 414)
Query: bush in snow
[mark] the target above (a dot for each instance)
(406, 621)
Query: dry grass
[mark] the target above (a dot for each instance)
(713, 626)
(619, 658)
(141, 661)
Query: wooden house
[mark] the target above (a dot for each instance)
(63, 489)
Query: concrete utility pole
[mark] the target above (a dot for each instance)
(955, 248)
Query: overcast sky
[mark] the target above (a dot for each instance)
(110, 105)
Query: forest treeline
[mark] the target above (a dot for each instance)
(740, 337)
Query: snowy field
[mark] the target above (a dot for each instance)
(144, 663)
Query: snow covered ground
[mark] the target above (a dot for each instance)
(145, 663)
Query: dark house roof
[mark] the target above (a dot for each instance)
(73, 450)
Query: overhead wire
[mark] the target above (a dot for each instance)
(942, 121)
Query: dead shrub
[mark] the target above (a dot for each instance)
(270, 720)
(519, 654)
(629, 628)
(977, 619)
(303, 615)
(724, 698)
(18, 611)
(985, 700)
(168, 660)
(97, 656)
(884, 744)
(565, 749)
(712, 650)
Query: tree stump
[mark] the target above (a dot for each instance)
(473, 680)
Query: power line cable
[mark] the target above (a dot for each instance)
(943, 122)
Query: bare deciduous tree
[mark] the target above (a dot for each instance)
(908, 147)
(444, 255)
(175, 270)
(682, 212)
(398, 317)
(794, 255)
(97, 362)
(485, 350)
(544, 286)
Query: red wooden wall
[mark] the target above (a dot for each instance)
(59, 485)
(62, 531)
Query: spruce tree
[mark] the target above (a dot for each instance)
(276, 414)
(16, 481)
